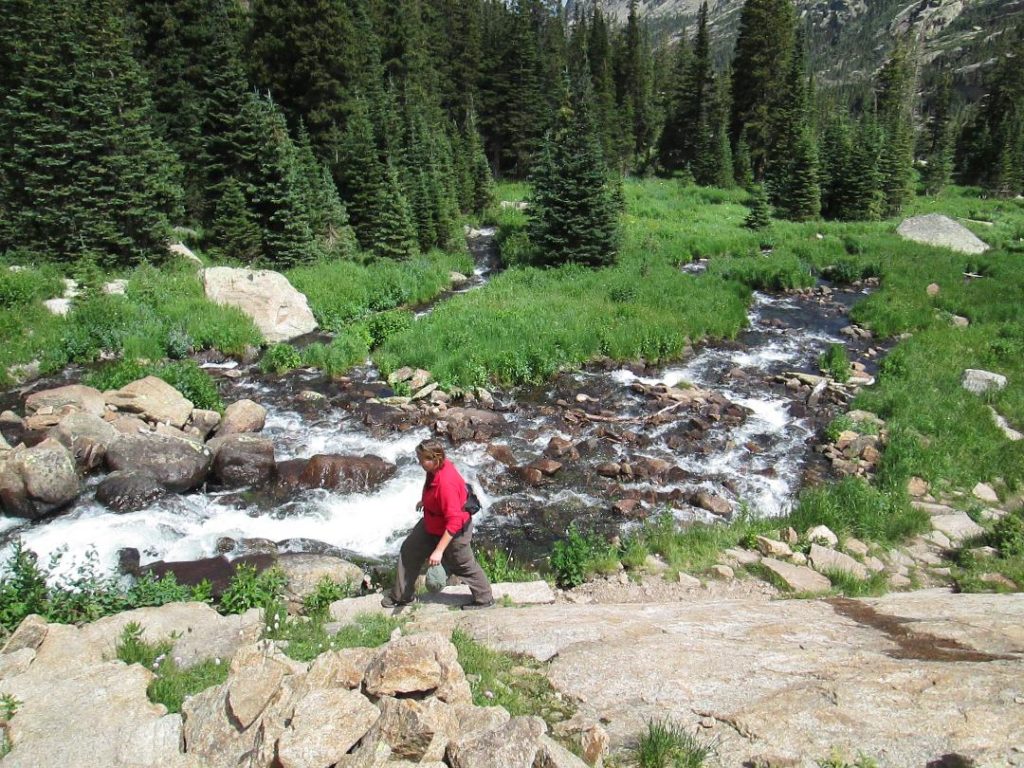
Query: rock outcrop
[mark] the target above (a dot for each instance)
(942, 231)
(278, 310)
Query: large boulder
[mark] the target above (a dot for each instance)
(336, 472)
(325, 725)
(179, 465)
(37, 481)
(129, 490)
(154, 399)
(87, 436)
(244, 459)
(78, 396)
(936, 229)
(242, 416)
(278, 310)
(979, 382)
(418, 664)
(512, 745)
(304, 571)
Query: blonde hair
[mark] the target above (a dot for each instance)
(431, 450)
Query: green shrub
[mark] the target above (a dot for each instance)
(193, 382)
(578, 555)
(28, 285)
(383, 325)
(668, 745)
(280, 358)
(249, 589)
(500, 566)
(307, 637)
(327, 591)
(1008, 535)
(350, 347)
(835, 363)
(838, 425)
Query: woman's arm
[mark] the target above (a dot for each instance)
(442, 545)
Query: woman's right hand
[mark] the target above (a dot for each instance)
(419, 506)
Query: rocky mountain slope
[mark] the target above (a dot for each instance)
(849, 38)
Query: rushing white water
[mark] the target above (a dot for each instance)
(756, 463)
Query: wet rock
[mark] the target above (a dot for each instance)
(154, 399)
(242, 416)
(12, 427)
(628, 508)
(336, 472)
(129, 561)
(558, 447)
(530, 475)
(547, 467)
(180, 465)
(609, 469)
(244, 459)
(202, 422)
(309, 396)
(502, 453)
(708, 501)
(219, 571)
(129, 490)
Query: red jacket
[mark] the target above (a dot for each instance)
(444, 495)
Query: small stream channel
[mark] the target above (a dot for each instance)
(749, 446)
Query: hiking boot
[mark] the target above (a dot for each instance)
(478, 606)
(389, 602)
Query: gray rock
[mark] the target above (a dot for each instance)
(798, 578)
(824, 559)
(303, 572)
(202, 422)
(516, 592)
(129, 490)
(986, 493)
(773, 548)
(242, 416)
(512, 745)
(822, 534)
(553, 755)
(80, 397)
(336, 472)
(29, 634)
(179, 465)
(279, 311)
(87, 436)
(417, 664)
(942, 231)
(154, 399)
(37, 481)
(326, 724)
(978, 382)
(252, 687)
(957, 527)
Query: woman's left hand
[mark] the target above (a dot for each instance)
(435, 557)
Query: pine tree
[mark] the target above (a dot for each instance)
(864, 201)
(800, 197)
(836, 154)
(634, 88)
(793, 171)
(234, 232)
(328, 218)
(606, 116)
(939, 139)
(277, 191)
(759, 68)
(481, 186)
(572, 212)
(712, 164)
(394, 236)
(82, 168)
(673, 135)
(894, 89)
(742, 172)
(760, 215)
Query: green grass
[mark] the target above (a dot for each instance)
(500, 566)
(341, 292)
(306, 637)
(667, 745)
(172, 684)
(517, 684)
(851, 507)
(1007, 537)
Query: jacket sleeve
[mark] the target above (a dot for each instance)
(452, 495)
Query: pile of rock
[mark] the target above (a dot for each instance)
(786, 559)
(152, 440)
(407, 702)
(857, 451)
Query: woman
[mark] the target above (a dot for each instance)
(443, 536)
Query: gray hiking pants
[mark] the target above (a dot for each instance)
(457, 560)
